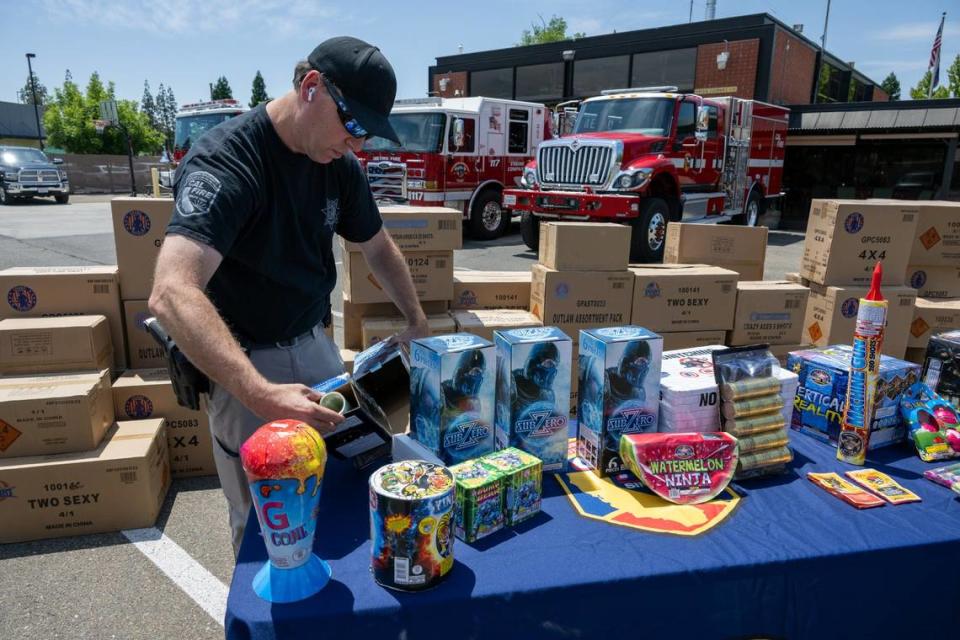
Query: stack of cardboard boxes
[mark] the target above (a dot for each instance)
(934, 271)
(740, 249)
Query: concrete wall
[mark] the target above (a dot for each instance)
(100, 173)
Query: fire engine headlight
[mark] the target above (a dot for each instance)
(632, 179)
(529, 178)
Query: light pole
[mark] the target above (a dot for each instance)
(33, 90)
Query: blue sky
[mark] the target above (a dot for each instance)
(187, 44)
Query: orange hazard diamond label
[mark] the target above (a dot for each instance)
(815, 332)
(929, 238)
(8, 434)
(919, 327)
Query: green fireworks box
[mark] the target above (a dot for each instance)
(479, 492)
(522, 475)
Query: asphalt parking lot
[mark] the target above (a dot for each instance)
(106, 586)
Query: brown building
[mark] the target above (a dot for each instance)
(753, 56)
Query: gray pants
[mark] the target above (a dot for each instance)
(311, 360)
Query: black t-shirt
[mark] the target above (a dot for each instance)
(271, 213)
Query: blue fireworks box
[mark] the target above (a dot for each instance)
(533, 392)
(822, 394)
(619, 392)
(452, 395)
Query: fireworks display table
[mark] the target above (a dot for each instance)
(784, 559)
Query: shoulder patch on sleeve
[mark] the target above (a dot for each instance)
(198, 190)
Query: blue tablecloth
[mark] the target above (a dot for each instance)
(791, 562)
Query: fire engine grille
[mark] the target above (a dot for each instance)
(387, 179)
(589, 165)
(41, 176)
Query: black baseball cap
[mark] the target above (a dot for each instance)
(365, 79)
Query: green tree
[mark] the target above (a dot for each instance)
(919, 92)
(221, 90)
(953, 77)
(149, 106)
(25, 95)
(891, 86)
(70, 114)
(170, 121)
(553, 31)
(258, 93)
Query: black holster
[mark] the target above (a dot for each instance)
(188, 381)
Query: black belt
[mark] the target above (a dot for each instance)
(251, 345)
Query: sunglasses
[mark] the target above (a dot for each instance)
(350, 123)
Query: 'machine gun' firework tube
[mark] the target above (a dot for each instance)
(284, 461)
(411, 524)
(854, 435)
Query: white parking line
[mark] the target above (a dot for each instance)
(188, 574)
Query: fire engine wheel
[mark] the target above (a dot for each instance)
(488, 218)
(530, 230)
(649, 231)
(752, 211)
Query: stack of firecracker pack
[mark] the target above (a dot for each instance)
(691, 401)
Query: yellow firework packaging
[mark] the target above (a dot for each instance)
(763, 459)
(846, 491)
(883, 485)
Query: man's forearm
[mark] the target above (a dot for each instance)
(390, 269)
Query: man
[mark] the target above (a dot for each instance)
(247, 265)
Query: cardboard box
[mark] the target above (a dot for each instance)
(48, 414)
(353, 315)
(143, 352)
(377, 329)
(793, 276)
(619, 392)
(54, 345)
(691, 339)
(148, 393)
(483, 322)
(769, 312)
(832, 316)
(935, 282)
(584, 246)
(491, 290)
(575, 300)
(916, 355)
(937, 238)
(34, 292)
(139, 226)
(782, 351)
(683, 297)
(930, 318)
(533, 393)
(846, 238)
(480, 496)
(119, 485)
(452, 395)
(740, 249)
(418, 228)
(431, 271)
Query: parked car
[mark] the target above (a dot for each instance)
(26, 172)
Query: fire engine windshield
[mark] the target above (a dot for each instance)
(190, 128)
(650, 116)
(417, 132)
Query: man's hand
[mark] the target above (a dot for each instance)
(390, 269)
(293, 401)
(412, 332)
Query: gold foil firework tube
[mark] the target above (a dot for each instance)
(769, 458)
(750, 388)
(883, 485)
(763, 423)
(763, 441)
(854, 438)
(747, 408)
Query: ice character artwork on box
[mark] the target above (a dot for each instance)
(466, 389)
(425, 407)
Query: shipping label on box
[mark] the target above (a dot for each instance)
(143, 350)
(931, 317)
(483, 322)
(417, 228)
(574, 300)
(139, 226)
(831, 316)
(681, 297)
(453, 395)
(619, 392)
(148, 393)
(937, 238)
(491, 290)
(49, 414)
(377, 329)
(691, 339)
(935, 282)
(584, 246)
(846, 238)
(354, 313)
(54, 345)
(740, 249)
(35, 292)
(431, 272)
(119, 485)
(533, 393)
(769, 312)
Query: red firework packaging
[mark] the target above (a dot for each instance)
(685, 468)
(411, 524)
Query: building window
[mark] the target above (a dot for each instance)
(492, 83)
(540, 82)
(518, 131)
(712, 126)
(831, 84)
(687, 121)
(592, 76)
(677, 67)
(469, 136)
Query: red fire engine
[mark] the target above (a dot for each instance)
(648, 156)
(459, 153)
(192, 121)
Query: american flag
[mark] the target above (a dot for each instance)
(935, 57)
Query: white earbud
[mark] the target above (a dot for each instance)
(310, 92)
